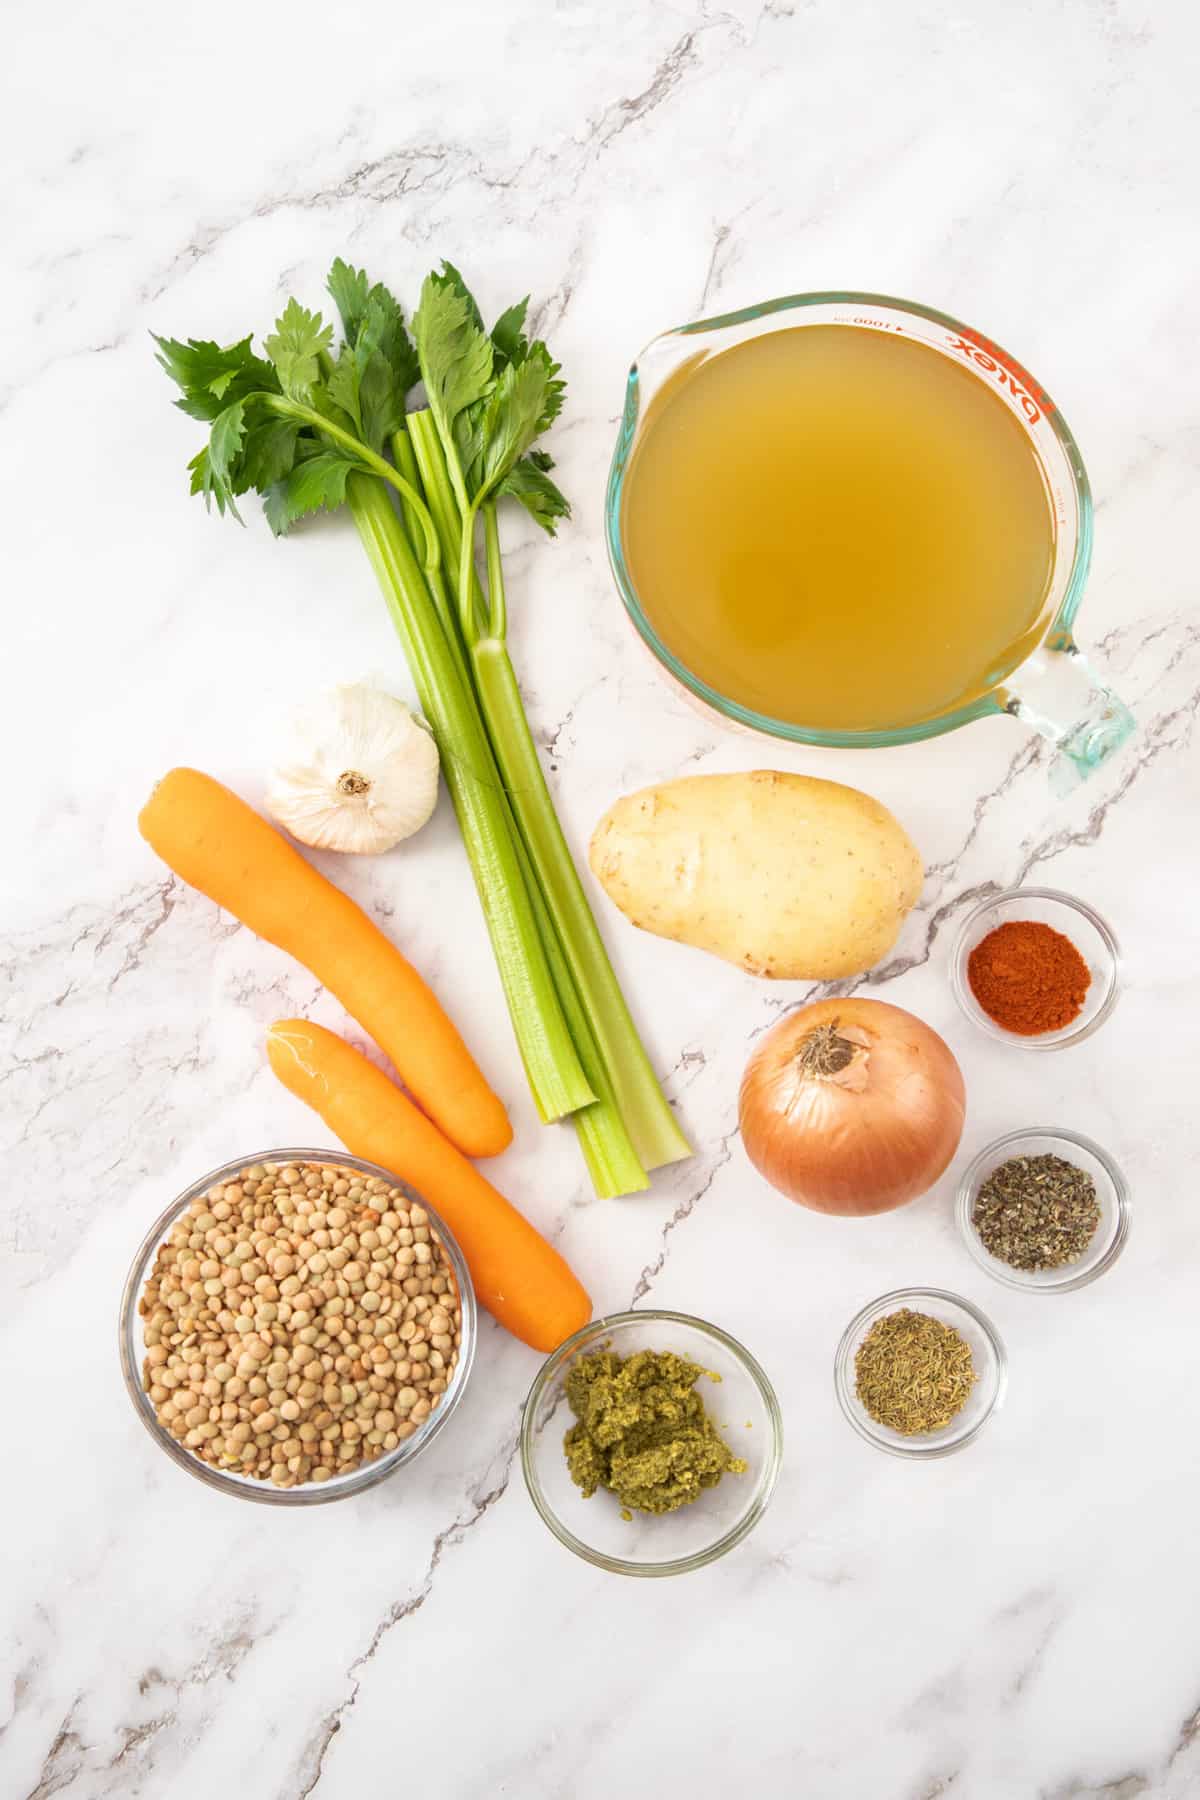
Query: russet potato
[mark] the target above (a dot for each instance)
(784, 875)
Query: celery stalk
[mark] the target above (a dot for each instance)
(595, 1005)
(406, 462)
(607, 1148)
(552, 1064)
(643, 1106)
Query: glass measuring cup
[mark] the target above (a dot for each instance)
(1053, 690)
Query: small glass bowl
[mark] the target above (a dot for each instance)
(1091, 935)
(338, 1487)
(742, 1406)
(988, 1355)
(1111, 1192)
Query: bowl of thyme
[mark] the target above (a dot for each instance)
(919, 1372)
(1045, 1210)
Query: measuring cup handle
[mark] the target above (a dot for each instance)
(1058, 695)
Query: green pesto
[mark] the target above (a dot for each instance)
(642, 1431)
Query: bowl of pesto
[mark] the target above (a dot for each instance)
(651, 1443)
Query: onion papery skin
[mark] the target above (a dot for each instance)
(856, 1140)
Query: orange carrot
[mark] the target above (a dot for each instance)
(522, 1281)
(218, 844)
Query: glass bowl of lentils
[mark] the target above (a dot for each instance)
(296, 1326)
(1045, 1210)
(919, 1372)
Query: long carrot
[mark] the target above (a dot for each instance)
(518, 1276)
(218, 844)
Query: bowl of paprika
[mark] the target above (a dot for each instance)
(1036, 968)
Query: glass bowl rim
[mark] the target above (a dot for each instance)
(1022, 1282)
(678, 1565)
(971, 1007)
(983, 706)
(844, 1388)
(367, 1475)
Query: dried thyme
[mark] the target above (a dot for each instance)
(913, 1373)
(1037, 1212)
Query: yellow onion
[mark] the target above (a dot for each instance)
(851, 1106)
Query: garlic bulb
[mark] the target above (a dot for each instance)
(358, 772)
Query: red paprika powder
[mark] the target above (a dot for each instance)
(1028, 977)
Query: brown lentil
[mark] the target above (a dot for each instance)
(273, 1313)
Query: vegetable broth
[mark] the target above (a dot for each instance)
(838, 528)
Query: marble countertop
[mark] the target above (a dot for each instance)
(1019, 1621)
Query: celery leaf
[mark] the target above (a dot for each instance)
(349, 290)
(537, 353)
(384, 326)
(511, 418)
(455, 354)
(317, 481)
(342, 386)
(211, 376)
(528, 482)
(450, 277)
(377, 364)
(225, 442)
(295, 347)
(508, 333)
(204, 482)
(269, 451)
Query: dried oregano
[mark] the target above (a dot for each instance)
(1037, 1212)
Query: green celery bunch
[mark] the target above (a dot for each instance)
(308, 427)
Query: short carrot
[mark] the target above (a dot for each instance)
(518, 1276)
(218, 844)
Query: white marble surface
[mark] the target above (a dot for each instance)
(1018, 1621)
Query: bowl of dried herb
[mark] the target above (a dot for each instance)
(1045, 1210)
(919, 1372)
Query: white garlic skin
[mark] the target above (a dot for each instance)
(357, 772)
